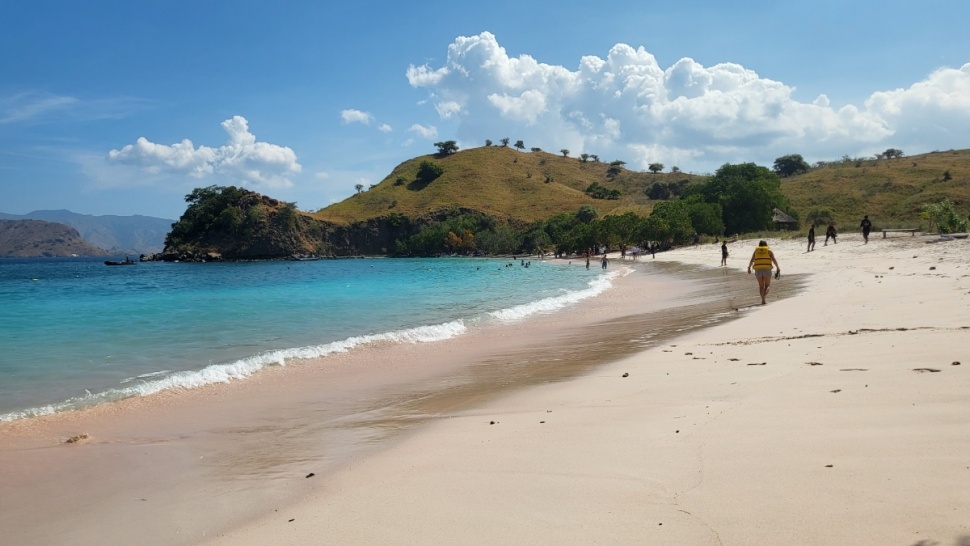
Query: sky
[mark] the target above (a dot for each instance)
(122, 108)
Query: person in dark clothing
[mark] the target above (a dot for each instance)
(830, 232)
(866, 226)
(811, 238)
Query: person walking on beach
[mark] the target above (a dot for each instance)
(866, 226)
(830, 232)
(724, 253)
(811, 238)
(605, 261)
(761, 259)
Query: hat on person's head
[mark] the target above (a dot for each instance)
(763, 243)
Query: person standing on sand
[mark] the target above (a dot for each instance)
(830, 232)
(811, 238)
(724, 253)
(866, 226)
(761, 259)
(605, 261)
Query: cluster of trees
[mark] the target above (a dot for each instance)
(230, 210)
(597, 191)
(666, 190)
(736, 199)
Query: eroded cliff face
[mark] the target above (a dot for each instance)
(37, 238)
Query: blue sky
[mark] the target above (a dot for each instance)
(125, 107)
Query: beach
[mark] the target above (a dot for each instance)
(835, 414)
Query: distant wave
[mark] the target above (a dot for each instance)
(240, 369)
(595, 287)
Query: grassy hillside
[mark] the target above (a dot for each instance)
(502, 182)
(890, 191)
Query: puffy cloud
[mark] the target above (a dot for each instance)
(426, 131)
(933, 112)
(242, 159)
(384, 128)
(356, 116)
(705, 115)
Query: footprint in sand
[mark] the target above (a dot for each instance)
(814, 363)
(921, 370)
(76, 439)
(757, 363)
(854, 370)
(836, 391)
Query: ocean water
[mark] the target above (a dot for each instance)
(74, 332)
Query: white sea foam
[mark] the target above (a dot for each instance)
(595, 287)
(223, 373)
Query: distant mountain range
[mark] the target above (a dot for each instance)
(115, 234)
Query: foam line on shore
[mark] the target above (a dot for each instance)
(156, 382)
(596, 287)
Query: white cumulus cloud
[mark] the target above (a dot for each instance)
(242, 159)
(356, 116)
(426, 131)
(627, 104)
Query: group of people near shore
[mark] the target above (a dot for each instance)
(762, 259)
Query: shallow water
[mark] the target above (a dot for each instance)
(74, 332)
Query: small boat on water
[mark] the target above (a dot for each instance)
(126, 261)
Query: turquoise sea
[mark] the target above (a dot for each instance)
(74, 332)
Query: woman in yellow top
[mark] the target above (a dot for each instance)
(761, 259)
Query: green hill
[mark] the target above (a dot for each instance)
(891, 191)
(492, 199)
(500, 182)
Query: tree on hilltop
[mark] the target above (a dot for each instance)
(615, 168)
(892, 153)
(656, 167)
(505, 142)
(519, 145)
(564, 152)
(790, 165)
(447, 147)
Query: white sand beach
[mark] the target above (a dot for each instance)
(839, 416)
(836, 416)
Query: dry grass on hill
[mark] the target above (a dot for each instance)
(526, 186)
(501, 182)
(891, 191)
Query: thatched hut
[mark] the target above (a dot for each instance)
(783, 220)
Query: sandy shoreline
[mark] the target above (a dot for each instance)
(838, 416)
(179, 466)
(723, 435)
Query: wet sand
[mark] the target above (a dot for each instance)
(835, 416)
(178, 467)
